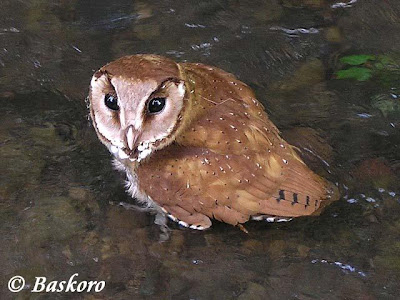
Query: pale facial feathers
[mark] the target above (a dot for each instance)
(133, 116)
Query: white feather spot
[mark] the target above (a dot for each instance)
(284, 220)
(196, 227)
(143, 154)
(114, 149)
(173, 218)
(184, 224)
(122, 154)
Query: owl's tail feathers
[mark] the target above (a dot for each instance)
(307, 192)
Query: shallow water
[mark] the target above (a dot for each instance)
(59, 196)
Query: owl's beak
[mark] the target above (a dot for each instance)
(131, 138)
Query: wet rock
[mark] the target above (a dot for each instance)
(18, 169)
(333, 34)
(174, 246)
(38, 14)
(143, 9)
(91, 239)
(254, 291)
(308, 74)
(254, 247)
(372, 219)
(147, 31)
(45, 136)
(121, 47)
(304, 3)
(66, 132)
(373, 27)
(388, 105)
(84, 200)
(303, 250)
(122, 239)
(123, 220)
(267, 11)
(389, 259)
(376, 172)
(66, 10)
(7, 95)
(79, 193)
(148, 285)
(120, 273)
(177, 285)
(29, 273)
(51, 220)
(93, 297)
(276, 248)
(108, 248)
(67, 253)
(302, 107)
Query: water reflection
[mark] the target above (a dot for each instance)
(59, 194)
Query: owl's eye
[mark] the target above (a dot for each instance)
(111, 101)
(156, 105)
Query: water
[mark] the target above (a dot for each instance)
(59, 195)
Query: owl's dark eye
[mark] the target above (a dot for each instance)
(156, 105)
(111, 101)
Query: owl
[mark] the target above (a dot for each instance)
(196, 145)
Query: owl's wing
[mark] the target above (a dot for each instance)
(195, 184)
(230, 163)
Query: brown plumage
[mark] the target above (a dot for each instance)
(210, 153)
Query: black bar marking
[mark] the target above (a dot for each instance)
(295, 200)
(281, 195)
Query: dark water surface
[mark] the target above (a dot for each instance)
(59, 196)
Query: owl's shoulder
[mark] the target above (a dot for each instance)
(226, 116)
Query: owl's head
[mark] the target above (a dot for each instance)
(137, 104)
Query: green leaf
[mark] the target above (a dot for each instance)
(356, 60)
(358, 73)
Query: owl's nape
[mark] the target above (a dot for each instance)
(196, 145)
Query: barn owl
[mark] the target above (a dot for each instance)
(196, 145)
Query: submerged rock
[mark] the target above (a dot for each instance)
(388, 105)
(51, 220)
(376, 172)
(308, 74)
(254, 291)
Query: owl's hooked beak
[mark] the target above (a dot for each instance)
(131, 138)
